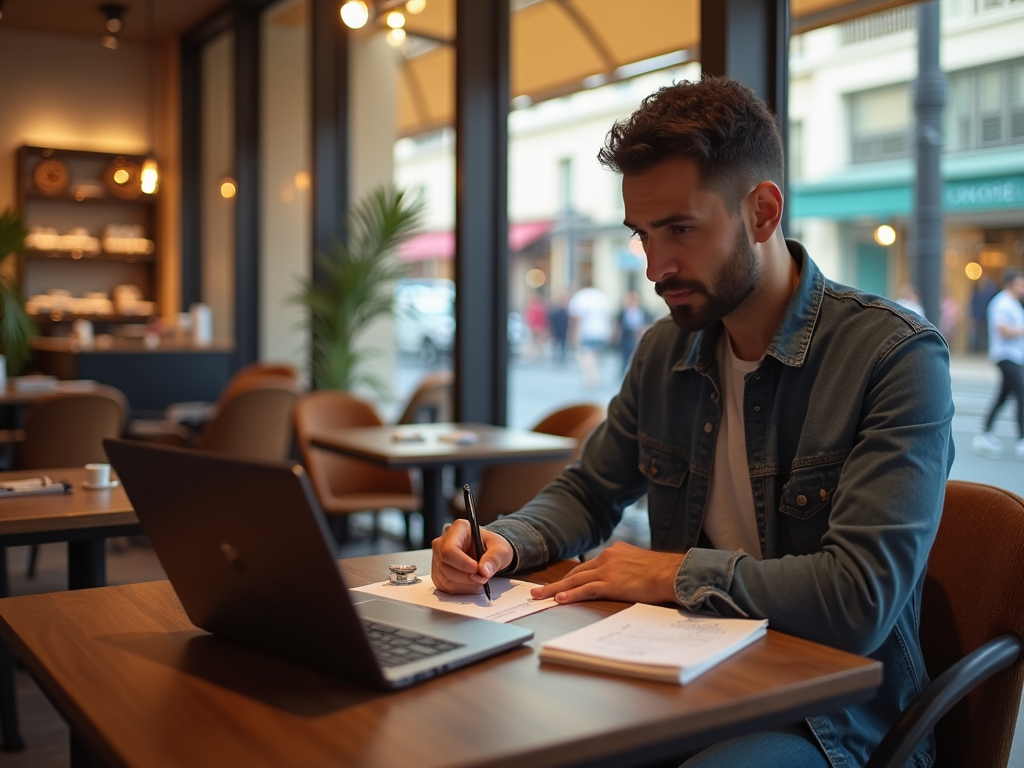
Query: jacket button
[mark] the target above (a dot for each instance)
(823, 493)
(708, 427)
(757, 409)
(801, 500)
(714, 396)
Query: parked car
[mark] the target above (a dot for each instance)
(425, 320)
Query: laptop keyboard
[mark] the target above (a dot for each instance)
(394, 646)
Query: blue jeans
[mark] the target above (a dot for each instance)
(791, 746)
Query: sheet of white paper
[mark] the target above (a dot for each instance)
(510, 598)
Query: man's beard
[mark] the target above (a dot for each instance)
(734, 281)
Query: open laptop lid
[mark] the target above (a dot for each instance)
(248, 552)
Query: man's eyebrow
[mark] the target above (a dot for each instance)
(673, 218)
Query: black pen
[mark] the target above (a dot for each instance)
(474, 526)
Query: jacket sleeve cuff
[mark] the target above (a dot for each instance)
(704, 579)
(529, 550)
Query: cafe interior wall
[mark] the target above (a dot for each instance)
(72, 93)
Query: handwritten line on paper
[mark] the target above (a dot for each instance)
(510, 598)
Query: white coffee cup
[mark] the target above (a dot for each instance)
(97, 475)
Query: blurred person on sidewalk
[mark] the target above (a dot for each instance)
(1006, 350)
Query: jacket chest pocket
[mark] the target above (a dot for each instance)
(667, 477)
(806, 505)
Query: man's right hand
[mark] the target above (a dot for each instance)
(454, 568)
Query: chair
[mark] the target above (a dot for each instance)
(972, 621)
(67, 430)
(184, 420)
(253, 420)
(504, 489)
(345, 485)
(431, 401)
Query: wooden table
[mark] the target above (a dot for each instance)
(142, 688)
(82, 518)
(11, 395)
(496, 445)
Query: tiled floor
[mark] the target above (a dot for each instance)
(45, 732)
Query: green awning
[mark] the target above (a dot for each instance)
(979, 181)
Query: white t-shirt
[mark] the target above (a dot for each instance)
(729, 520)
(590, 308)
(1005, 310)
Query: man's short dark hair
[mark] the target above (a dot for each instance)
(720, 124)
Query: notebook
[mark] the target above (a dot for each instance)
(247, 549)
(669, 645)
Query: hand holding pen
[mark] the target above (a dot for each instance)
(474, 525)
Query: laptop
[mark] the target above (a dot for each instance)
(248, 551)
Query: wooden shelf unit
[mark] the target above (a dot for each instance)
(84, 202)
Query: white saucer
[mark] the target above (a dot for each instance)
(90, 487)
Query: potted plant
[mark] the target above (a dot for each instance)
(16, 327)
(355, 288)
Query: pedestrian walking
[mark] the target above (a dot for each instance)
(1006, 349)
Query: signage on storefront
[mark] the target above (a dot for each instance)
(981, 194)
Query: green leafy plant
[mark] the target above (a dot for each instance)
(16, 327)
(355, 288)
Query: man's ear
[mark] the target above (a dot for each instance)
(765, 210)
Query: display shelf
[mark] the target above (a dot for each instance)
(36, 253)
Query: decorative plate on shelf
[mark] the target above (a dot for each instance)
(122, 179)
(50, 176)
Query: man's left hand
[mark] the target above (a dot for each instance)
(621, 572)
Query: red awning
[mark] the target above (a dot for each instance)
(441, 245)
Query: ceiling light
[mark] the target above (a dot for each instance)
(114, 13)
(396, 20)
(150, 177)
(416, 6)
(355, 14)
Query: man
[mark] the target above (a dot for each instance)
(1006, 350)
(792, 434)
(590, 328)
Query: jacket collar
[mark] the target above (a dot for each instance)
(792, 337)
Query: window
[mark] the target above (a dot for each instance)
(986, 108)
(881, 121)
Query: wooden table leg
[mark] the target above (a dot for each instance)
(87, 563)
(10, 735)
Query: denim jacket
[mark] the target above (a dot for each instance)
(848, 429)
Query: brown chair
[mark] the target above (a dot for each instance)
(432, 400)
(254, 420)
(507, 487)
(67, 430)
(182, 420)
(345, 485)
(972, 622)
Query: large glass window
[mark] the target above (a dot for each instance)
(986, 107)
(217, 179)
(285, 220)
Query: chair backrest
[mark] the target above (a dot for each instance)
(259, 368)
(432, 400)
(334, 475)
(507, 487)
(254, 420)
(67, 429)
(972, 593)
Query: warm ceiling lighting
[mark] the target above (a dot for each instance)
(416, 6)
(395, 20)
(355, 14)
(885, 235)
(395, 37)
(228, 189)
(973, 270)
(121, 176)
(115, 23)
